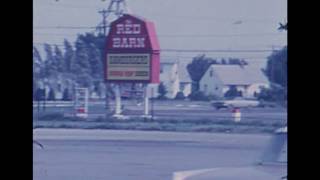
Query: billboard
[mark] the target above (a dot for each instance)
(128, 67)
(132, 51)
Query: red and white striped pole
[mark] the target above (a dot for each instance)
(236, 114)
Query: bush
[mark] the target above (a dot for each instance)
(52, 96)
(39, 95)
(162, 98)
(198, 96)
(232, 92)
(180, 96)
(213, 97)
(66, 95)
(275, 94)
(162, 90)
(52, 116)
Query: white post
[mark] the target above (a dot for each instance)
(146, 101)
(86, 101)
(236, 113)
(118, 100)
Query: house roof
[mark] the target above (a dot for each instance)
(237, 75)
(168, 60)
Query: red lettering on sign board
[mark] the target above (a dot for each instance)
(129, 73)
(116, 73)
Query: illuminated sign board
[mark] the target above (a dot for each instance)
(132, 51)
(128, 66)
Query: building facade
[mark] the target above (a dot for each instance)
(218, 79)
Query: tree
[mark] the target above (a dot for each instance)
(198, 67)
(51, 96)
(276, 69)
(39, 94)
(69, 57)
(223, 61)
(275, 94)
(180, 96)
(162, 90)
(81, 63)
(37, 68)
(49, 67)
(95, 62)
(236, 61)
(82, 58)
(65, 95)
(197, 96)
(58, 60)
(82, 66)
(37, 61)
(277, 73)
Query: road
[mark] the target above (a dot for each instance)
(175, 110)
(137, 155)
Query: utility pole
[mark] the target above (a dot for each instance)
(115, 9)
(104, 22)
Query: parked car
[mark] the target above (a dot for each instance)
(267, 104)
(235, 103)
(219, 105)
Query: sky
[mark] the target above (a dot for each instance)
(180, 24)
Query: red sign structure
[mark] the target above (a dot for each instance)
(132, 51)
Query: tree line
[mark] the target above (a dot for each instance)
(81, 62)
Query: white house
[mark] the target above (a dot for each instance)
(219, 78)
(170, 78)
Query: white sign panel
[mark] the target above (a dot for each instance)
(128, 67)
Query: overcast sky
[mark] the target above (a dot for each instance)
(181, 24)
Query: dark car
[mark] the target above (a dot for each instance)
(219, 105)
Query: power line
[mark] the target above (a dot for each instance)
(257, 20)
(64, 27)
(220, 35)
(218, 50)
(187, 35)
(199, 50)
(217, 57)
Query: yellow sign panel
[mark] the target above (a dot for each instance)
(128, 67)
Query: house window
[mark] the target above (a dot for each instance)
(205, 88)
(182, 87)
(211, 73)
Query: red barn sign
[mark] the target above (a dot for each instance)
(132, 51)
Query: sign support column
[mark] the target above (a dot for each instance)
(118, 102)
(146, 102)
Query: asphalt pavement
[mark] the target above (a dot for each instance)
(138, 155)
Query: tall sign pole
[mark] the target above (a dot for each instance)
(115, 9)
(146, 102)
